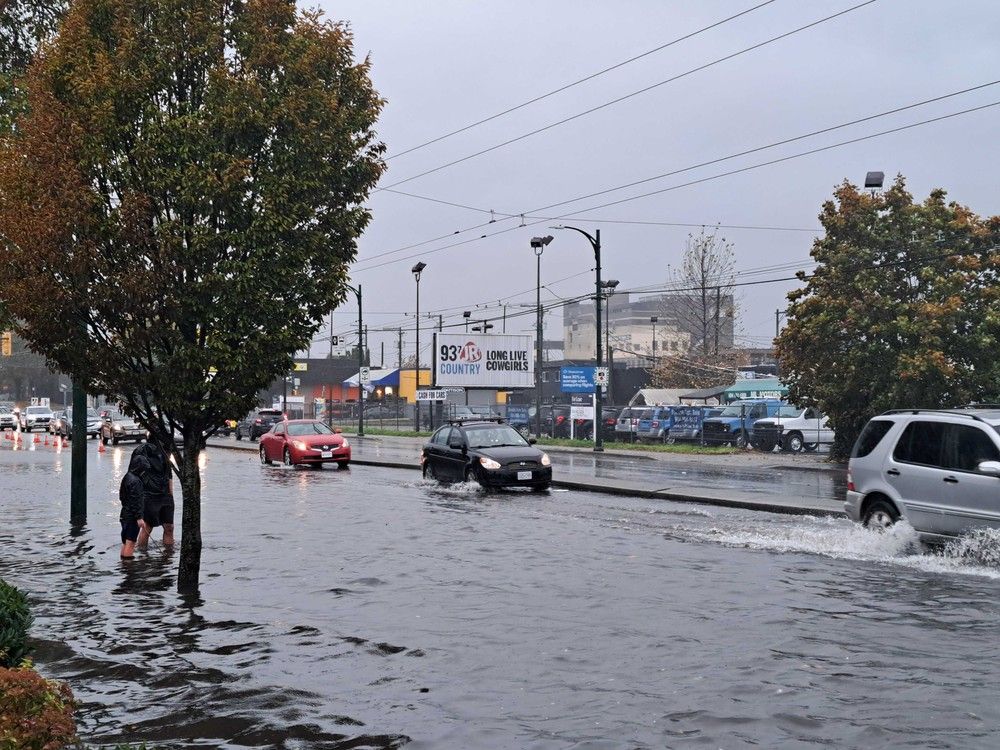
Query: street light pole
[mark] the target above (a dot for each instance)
(595, 242)
(538, 245)
(361, 362)
(610, 285)
(653, 319)
(416, 271)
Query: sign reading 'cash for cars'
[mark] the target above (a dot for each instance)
(484, 360)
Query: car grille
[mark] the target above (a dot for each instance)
(522, 465)
(715, 430)
(767, 432)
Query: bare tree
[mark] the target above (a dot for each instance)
(704, 305)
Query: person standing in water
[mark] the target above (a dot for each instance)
(132, 495)
(158, 509)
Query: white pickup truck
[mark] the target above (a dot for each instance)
(793, 430)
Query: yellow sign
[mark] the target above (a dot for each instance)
(300, 367)
(6, 344)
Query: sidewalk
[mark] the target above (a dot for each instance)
(668, 477)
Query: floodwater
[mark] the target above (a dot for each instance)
(371, 609)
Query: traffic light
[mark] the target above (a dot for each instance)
(6, 344)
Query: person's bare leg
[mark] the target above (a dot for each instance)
(128, 549)
(143, 539)
(168, 533)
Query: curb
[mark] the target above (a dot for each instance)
(669, 495)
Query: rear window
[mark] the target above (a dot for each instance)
(870, 437)
(921, 443)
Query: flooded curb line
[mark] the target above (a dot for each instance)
(569, 484)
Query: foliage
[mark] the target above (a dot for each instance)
(902, 311)
(24, 26)
(185, 190)
(15, 620)
(35, 713)
(696, 370)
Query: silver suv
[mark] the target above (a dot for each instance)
(939, 470)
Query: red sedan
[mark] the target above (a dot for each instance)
(304, 441)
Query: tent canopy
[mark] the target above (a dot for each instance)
(379, 377)
(758, 388)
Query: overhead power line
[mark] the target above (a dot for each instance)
(698, 181)
(620, 99)
(577, 82)
(785, 141)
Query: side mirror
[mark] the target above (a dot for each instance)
(992, 468)
(532, 441)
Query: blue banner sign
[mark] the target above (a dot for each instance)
(517, 415)
(576, 379)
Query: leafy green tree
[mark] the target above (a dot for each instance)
(24, 26)
(902, 311)
(179, 206)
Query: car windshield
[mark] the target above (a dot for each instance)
(309, 428)
(38, 409)
(492, 436)
(788, 411)
(736, 410)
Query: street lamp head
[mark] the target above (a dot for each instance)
(540, 242)
(654, 319)
(467, 314)
(610, 283)
(417, 268)
(874, 180)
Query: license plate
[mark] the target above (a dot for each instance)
(522, 475)
(326, 454)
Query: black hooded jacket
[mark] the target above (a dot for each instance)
(132, 493)
(157, 479)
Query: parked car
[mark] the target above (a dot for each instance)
(688, 421)
(489, 452)
(792, 429)
(383, 412)
(734, 424)
(654, 424)
(117, 427)
(256, 423)
(35, 416)
(306, 442)
(939, 470)
(627, 422)
(8, 420)
(555, 421)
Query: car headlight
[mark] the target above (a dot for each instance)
(546, 461)
(489, 463)
(118, 428)
(345, 444)
(300, 445)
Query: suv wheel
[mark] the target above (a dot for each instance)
(880, 515)
(793, 442)
(740, 440)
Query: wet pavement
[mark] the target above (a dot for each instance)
(370, 609)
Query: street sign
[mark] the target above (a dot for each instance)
(436, 394)
(577, 379)
(365, 375)
(581, 406)
(300, 367)
(600, 376)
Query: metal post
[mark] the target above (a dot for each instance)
(653, 321)
(538, 342)
(599, 400)
(607, 345)
(78, 460)
(361, 362)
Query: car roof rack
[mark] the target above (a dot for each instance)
(956, 412)
(474, 418)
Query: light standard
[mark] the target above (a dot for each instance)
(467, 314)
(361, 363)
(595, 242)
(483, 327)
(610, 285)
(538, 245)
(653, 319)
(416, 271)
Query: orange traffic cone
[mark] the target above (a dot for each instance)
(46, 442)
(37, 440)
(56, 442)
(100, 446)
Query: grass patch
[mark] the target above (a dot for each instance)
(394, 433)
(689, 448)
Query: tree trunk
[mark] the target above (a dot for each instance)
(190, 563)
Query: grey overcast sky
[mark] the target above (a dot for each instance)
(442, 65)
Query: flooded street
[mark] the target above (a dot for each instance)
(371, 609)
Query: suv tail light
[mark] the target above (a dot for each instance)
(656, 424)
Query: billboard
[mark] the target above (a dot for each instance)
(577, 379)
(483, 360)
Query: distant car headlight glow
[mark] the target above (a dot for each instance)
(546, 461)
(489, 463)
(300, 445)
